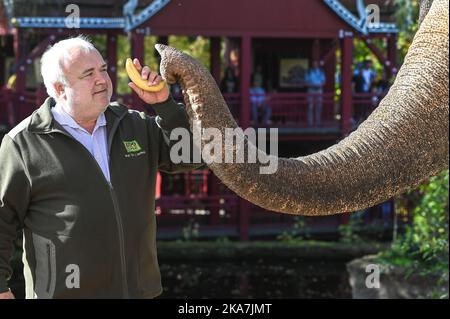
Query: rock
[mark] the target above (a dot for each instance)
(371, 280)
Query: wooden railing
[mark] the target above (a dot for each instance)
(290, 110)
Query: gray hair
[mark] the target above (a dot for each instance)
(52, 60)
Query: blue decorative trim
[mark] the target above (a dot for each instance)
(58, 22)
(127, 23)
(355, 23)
(145, 14)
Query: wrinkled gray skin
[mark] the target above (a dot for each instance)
(403, 142)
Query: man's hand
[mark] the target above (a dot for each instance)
(7, 295)
(153, 79)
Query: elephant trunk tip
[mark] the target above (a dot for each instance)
(160, 47)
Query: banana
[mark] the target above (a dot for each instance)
(136, 78)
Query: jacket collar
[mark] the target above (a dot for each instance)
(42, 120)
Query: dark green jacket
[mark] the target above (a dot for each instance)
(76, 224)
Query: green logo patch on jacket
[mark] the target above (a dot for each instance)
(132, 146)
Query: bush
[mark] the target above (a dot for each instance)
(423, 248)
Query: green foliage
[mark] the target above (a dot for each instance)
(191, 231)
(197, 47)
(407, 15)
(424, 246)
(300, 231)
(224, 240)
(362, 53)
(151, 57)
(99, 41)
(357, 230)
(427, 237)
(351, 232)
(123, 52)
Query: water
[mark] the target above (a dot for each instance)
(256, 279)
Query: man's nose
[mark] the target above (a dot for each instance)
(101, 78)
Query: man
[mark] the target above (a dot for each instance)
(315, 80)
(368, 75)
(78, 176)
(363, 78)
(258, 100)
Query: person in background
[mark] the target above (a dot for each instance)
(229, 82)
(315, 81)
(368, 75)
(258, 100)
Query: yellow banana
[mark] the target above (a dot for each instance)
(136, 78)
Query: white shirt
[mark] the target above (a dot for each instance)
(96, 143)
(368, 75)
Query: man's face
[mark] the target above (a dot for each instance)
(89, 87)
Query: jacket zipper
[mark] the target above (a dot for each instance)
(121, 242)
(49, 265)
(117, 214)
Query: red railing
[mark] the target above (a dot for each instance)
(291, 110)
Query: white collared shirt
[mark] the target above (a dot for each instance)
(96, 143)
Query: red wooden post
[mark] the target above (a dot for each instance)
(215, 58)
(21, 65)
(158, 185)
(315, 54)
(137, 46)
(2, 70)
(226, 58)
(41, 95)
(329, 111)
(137, 51)
(112, 59)
(245, 64)
(330, 70)
(392, 54)
(346, 80)
(344, 218)
(214, 191)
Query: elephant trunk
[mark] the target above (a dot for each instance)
(403, 142)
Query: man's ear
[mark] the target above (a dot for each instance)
(59, 89)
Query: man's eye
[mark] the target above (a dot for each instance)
(89, 74)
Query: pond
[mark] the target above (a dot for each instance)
(256, 279)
